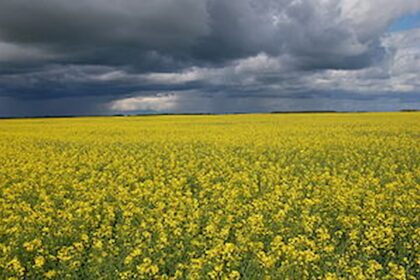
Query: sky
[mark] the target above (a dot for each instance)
(93, 57)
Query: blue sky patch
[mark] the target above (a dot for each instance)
(406, 22)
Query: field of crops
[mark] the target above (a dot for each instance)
(300, 196)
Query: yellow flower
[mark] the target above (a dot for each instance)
(15, 266)
(32, 245)
(147, 267)
(98, 244)
(234, 275)
(331, 276)
(266, 260)
(396, 271)
(222, 197)
(85, 237)
(50, 274)
(39, 261)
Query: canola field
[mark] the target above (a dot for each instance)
(297, 196)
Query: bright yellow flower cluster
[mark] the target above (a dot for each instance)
(302, 196)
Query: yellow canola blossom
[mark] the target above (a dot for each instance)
(264, 196)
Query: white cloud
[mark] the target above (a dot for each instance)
(159, 102)
(374, 16)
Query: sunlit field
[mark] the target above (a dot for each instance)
(296, 196)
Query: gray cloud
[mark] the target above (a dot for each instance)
(204, 53)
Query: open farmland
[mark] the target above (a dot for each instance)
(297, 196)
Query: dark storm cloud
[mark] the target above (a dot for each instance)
(158, 24)
(103, 51)
(143, 33)
(139, 33)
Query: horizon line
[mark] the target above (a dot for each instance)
(203, 114)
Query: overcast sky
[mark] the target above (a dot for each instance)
(134, 56)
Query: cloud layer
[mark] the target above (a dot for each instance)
(103, 56)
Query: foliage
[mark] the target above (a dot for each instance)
(305, 196)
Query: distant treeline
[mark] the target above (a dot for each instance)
(410, 110)
(195, 114)
(305, 112)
